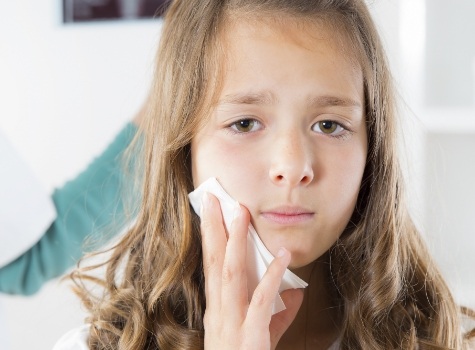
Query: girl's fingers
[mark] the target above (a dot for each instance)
(281, 321)
(228, 313)
(260, 308)
(234, 297)
(214, 247)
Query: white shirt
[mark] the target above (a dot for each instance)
(76, 339)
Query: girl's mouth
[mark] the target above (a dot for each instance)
(288, 215)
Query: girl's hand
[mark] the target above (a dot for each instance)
(230, 321)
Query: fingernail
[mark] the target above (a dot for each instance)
(281, 252)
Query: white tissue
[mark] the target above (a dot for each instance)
(258, 257)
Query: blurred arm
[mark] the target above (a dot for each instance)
(85, 206)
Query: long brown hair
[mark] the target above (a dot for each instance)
(389, 291)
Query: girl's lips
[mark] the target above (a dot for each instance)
(288, 216)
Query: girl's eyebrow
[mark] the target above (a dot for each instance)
(252, 98)
(330, 101)
(267, 97)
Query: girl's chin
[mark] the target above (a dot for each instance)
(300, 262)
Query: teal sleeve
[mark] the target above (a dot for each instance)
(85, 207)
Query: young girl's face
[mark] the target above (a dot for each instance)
(288, 137)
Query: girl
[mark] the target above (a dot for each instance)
(289, 104)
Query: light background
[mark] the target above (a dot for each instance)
(66, 90)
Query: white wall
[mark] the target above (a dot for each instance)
(430, 49)
(451, 194)
(451, 53)
(440, 77)
(66, 90)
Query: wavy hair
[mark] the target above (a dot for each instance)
(389, 292)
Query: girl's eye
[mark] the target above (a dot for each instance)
(245, 125)
(328, 127)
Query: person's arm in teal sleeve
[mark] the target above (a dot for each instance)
(85, 206)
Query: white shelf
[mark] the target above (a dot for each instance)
(448, 120)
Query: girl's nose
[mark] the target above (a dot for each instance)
(291, 161)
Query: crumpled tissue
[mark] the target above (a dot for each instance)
(258, 257)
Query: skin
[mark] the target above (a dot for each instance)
(287, 140)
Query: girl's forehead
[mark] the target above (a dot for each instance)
(308, 33)
(252, 34)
